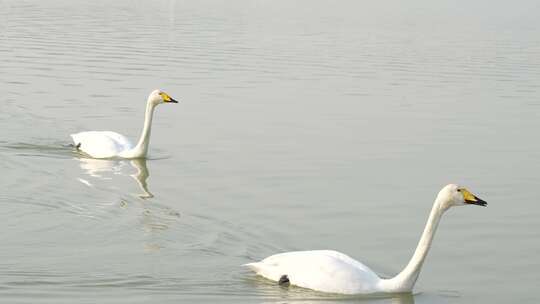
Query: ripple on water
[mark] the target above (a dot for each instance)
(319, 94)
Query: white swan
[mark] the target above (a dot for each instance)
(335, 272)
(107, 144)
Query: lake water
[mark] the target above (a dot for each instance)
(302, 125)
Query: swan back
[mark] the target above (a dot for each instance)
(322, 270)
(101, 144)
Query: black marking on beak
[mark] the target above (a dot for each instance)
(477, 201)
(173, 100)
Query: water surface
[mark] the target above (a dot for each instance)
(303, 125)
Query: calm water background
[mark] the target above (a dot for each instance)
(303, 125)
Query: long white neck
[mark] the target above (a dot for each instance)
(405, 280)
(141, 149)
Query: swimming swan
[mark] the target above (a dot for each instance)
(335, 272)
(107, 144)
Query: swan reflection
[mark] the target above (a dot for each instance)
(105, 169)
(405, 298)
(293, 294)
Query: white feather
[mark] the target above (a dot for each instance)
(101, 144)
(322, 270)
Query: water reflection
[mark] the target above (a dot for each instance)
(104, 169)
(141, 176)
(153, 218)
(293, 294)
(405, 298)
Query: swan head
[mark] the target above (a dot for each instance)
(158, 96)
(454, 195)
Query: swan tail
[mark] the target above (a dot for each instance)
(253, 266)
(76, 143)
(76, 146)
(259, 268)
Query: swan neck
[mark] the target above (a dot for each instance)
(141, 149)
(405, 280)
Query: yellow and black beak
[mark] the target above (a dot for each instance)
(167, 98)
(471, 198)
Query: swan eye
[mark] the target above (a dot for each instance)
(459, 189)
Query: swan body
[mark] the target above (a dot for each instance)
(108, 144)
(322, 270)
(334, 272)
(102, 144)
